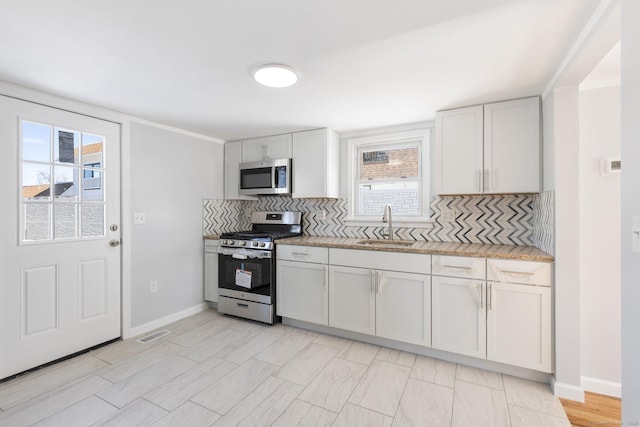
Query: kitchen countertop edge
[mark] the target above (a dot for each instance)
(523, 253)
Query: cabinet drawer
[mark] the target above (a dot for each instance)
(211, 245)
(303, 253)
(380, 260)
(524, 272)
(455, 266)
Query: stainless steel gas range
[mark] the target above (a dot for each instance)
(247, 265)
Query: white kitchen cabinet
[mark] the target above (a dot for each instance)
(458, 306)
(512, 146)
(302, 283)
(268, 147)
(490, 149)
(315, 164)
(392, 304)
(352, 299)
(519, 325)
(459, 151)
(232, 160)
(211, 270)
(403, 307)
(458, 315)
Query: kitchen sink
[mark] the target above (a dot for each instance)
(376, 242)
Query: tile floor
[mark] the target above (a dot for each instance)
(222, 371)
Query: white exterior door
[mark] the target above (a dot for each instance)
(60, 227)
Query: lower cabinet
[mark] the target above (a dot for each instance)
(403, 307)
(492, 309)
(302, 291)
(519, 325)
(352, 299)
(387, 304)
(458, 316)
(211, 270)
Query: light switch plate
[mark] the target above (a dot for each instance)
(139, 218)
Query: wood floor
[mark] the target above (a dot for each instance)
(221, 371)
(597, 410)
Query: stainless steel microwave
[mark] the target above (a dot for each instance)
(265, 177)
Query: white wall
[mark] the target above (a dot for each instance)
(171, 174)
(630, 207)
(562, 134)
(600, 346)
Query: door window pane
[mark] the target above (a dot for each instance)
(92, 149)
(65, 220)
(36, 181)
(66, 182)
(36, 142)
(37, 221)
(66, 146)
(92, 219)
(92, 189)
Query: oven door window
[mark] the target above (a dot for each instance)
(255, 178)
(258, 269)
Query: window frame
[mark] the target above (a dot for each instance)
(51, 202)
(423, 139)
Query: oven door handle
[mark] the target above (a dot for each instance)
(239, 256)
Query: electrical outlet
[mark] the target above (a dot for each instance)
(139, 218)
(153, 286)
(448, 215)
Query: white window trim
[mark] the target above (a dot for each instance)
(425, 171)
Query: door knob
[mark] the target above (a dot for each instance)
(114, 243)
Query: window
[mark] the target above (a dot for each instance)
(391, 169)
(62, 194)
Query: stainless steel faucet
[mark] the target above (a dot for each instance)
(386, 217)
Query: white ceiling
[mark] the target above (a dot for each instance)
(363, 63)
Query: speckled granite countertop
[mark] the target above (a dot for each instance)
(524, 253)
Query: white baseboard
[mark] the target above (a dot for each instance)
(596, 385)
(568, 391)
(158, 323)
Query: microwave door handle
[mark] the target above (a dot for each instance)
(274, 172)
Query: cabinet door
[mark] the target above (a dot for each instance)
(352, 301)
(301, 291)
(278, 147)
(315, 164)
(232, 160)
(512, 146)
(403, 307)
(211, 276)
(458, 316)
(519, 325)
(458, 151)
(253, 150)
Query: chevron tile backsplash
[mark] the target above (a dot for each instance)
(501, 219)
(543, 221)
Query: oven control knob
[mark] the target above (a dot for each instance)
(262, 244)
(242, 243)
(255, 244)
(228, 242)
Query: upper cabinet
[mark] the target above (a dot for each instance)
(315, 164)
(489, 149)
(269, 147)
(232, 160)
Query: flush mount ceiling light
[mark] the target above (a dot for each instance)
(275, 75)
